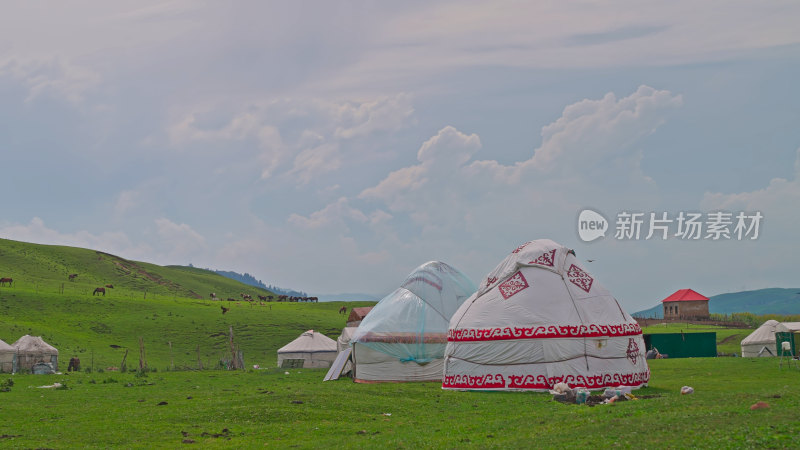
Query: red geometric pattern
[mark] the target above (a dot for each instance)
(511, 286)
(521, 247)
(579, 278)
(474, 382)
(633, 351)
(490, 281)
(543, 332)
(546, 259)
(588, 381)
(543, 382)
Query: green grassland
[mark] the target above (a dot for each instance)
(257, 408)
(160, 305)
(46, 269)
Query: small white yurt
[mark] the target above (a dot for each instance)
(314, 348)
(8, 358)
(539, 319)
(404, 336)
(32, 350)
(343, 341)
(760, 342)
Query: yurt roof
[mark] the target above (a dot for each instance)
(310, 342)
(33, 344)
(763, 334)
(359, 313)
(5, 348)
(788, 326)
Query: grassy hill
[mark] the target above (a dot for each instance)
(759, 302)
(162, 305)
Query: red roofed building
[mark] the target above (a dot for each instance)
(686, 304)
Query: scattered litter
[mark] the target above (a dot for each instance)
(286, 373)
(387, 414)
(759, 405)
(51, 386)
(560, 388)
(687, 390)
(255, 366)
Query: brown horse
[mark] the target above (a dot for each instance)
(343, 310)
(110, 286)
(72, 276)
(74, 364)
(3, 281)
(99, 291)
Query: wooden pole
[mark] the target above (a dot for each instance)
(122, 367)
(142, 357)
(171, 357)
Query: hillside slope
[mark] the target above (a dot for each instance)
(46, 268)
(167, 307)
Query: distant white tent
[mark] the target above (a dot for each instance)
(540, 319)
(33, 349)
(314, 348)
(760, 342)
(404, 336)
(8, 358)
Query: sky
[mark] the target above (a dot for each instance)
(333, 147)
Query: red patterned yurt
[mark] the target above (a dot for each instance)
(539, 319)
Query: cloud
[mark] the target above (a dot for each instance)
(335, 213)
(777, 202)
(111, 242)
(52, 76)
(179, 240)
(307, 133)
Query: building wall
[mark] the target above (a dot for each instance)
(686, 309)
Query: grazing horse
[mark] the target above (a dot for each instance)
(262, 297)
(343, 310)
(72, 276)
(110, 286)
(99, 291)
(213, 296)
(3, 281)
(224, 309)
(74, 365)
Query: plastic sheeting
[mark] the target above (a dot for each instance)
(410, 324)
(539, 319)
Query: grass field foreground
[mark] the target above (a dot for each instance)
(259, 408)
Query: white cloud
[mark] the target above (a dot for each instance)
(115, 242)
(179, 240)
(51, 77)
(307, 133)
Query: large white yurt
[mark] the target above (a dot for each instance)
(33, 349)
(314, 348)
(538, 319)
(404, 336)
(8, 358)
(761, 342)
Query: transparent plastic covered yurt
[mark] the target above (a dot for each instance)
(404, 336)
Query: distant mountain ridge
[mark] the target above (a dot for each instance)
(760, 301)
(248, 279)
